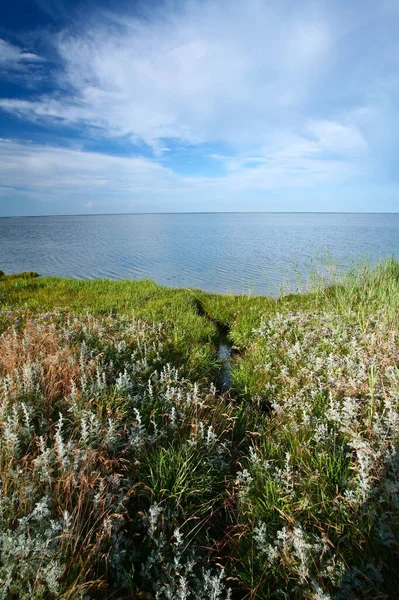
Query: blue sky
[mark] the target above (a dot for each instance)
(210, 105)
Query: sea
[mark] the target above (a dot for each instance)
(256, 253)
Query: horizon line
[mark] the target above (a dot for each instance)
(244, 212)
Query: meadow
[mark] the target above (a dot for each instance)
(128, 471)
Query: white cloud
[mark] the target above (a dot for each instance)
(52, 171)
(291, 160)
(294, 92)
(205, 71)
(63, 176)
(338, 138)
(12, 56)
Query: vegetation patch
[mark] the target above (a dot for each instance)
(126, 474)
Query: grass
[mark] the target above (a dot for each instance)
(128, 472)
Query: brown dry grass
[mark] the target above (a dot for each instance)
(40, 345)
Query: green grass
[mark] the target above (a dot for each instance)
(191, 338)
(125, 473)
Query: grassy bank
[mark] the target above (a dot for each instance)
(127, 473)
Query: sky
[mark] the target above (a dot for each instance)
(118, 106)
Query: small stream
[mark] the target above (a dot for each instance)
(225, 349)
(224, 354)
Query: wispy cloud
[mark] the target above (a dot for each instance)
(54, 172)
(14, 57)
(206, 71)
(298, 95)
(70, 177)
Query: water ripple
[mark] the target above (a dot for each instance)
(216, 252)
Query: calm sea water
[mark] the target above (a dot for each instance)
(216, 252)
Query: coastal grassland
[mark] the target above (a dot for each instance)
(189, 339)
(127, 473)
